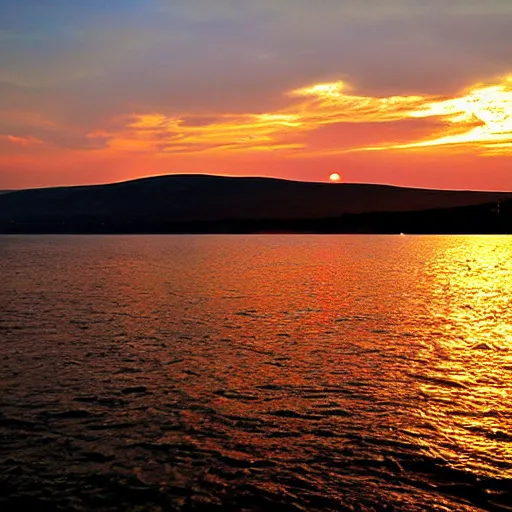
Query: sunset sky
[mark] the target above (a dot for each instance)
(405, 92)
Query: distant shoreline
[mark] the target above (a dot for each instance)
(480, 219)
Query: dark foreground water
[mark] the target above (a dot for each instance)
(267, 373)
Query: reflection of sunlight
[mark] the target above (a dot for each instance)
(475, 290)
(466, 382)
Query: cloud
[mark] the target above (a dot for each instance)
(326, 10)
(22, 141)
(482, 117)
(235, 55)
(29, 126)
(479, 118)
(404, 46)
(255, 132)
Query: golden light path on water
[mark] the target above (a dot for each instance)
(469, 389)
(295, 372)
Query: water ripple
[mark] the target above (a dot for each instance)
(299, 373)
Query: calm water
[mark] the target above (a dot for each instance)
(295, 373)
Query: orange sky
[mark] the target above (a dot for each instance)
(408, 93)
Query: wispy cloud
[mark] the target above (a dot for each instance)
(254, 132)
(479, 118)
(22, 141)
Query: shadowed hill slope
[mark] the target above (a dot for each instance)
(151, 204)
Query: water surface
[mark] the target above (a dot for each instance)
(297, 373)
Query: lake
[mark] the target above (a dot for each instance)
(279, 372)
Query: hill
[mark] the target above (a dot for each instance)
(205, 203)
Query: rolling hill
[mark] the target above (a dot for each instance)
(205, 203)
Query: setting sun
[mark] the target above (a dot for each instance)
(335, 177)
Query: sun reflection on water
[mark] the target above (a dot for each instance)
(466, 383)
(373, 372)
